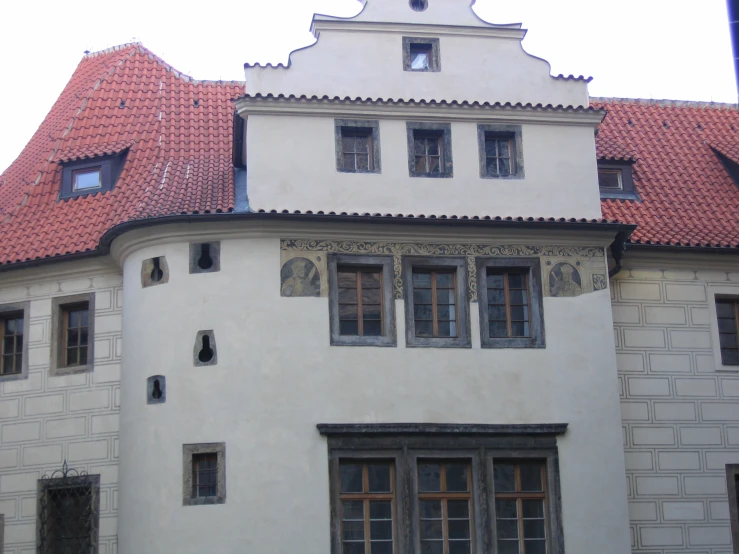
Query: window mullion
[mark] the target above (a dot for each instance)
(507, 294)
(434, 308)
(519, 513)
(367, 543)
(360, 314)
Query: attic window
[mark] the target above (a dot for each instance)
(90, 176)
(421, 54)
(615, 180)
(84, 179)
(419, 5)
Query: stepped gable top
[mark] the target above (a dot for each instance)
(688, 197)
(177, 133)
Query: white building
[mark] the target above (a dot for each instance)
(370, 311)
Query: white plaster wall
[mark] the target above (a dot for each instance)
(292, 165)
(46, 419)
(680, 406)
(369, 64)
(277, 377)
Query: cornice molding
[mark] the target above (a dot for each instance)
(417, 29)
(427, 110)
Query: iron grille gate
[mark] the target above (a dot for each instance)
(68, 517)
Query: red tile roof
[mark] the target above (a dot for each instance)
(687, 195)
(179, 134)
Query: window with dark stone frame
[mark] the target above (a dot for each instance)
(446, 489)
(357, 145)
(727, 314)
(616, 180)
(11, 349)
(91, 175)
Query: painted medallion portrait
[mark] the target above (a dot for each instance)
(300, 277)
(564, 280)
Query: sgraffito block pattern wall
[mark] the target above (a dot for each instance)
(45, 420)
(680, 414)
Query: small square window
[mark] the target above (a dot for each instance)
(510, 300)
(84, 179)
(72, 334)
(501, 151)
(436, 302)
(421, 54)
(204, 474)
(361, 304)
(727, 313)
(430, 150)
(615, 180)
(357, 146)
(610, 179)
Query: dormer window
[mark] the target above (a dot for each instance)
(91, 175)
(421, 54)
(85, 179)
(615, 180)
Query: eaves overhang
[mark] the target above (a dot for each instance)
(534, 224)
(327, 106)
(513, 31)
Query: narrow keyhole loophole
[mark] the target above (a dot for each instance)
(157, 391)
(206, 353)
(156, 273)
(205, 261)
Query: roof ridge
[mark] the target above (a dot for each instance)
(110, 50)
(665, 103)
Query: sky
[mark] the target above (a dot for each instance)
(631, 48)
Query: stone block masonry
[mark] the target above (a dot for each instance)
(46, 419)
(680, 415)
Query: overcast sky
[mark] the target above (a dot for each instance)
(632, 48)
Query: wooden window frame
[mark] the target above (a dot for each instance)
(434, 57)
(735, 305)
(385, 264)
(459, 266)
(110, 167)
(366, 126)
(424, 128)
(512, 133)
(519, 496)
(627, 191)
(405, 445)
(8, 311)
(59, 307)
(367, 497)
(536, 302)
(188, 452)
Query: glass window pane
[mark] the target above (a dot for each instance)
(518, 297)
(381, 547)
(424, 329)
(431, 509)
(372, 312)
(492, 166)
(352, 530)
(419, 146)
(72, 337)
(507, 528)
(728, 340)
(370, 280)
(498, 329)
(363, 162)
(371, 296)
(420, 166)
(9, 344)
(379, 478)
(458, 509)
(352, 509)
(431, 529)
(445, 296)
(536, 546)
(446, 312)
(381, 530)
(83, 318)
(87, 179)
(459, 547)
(456, 477)
(519, 313)
(516, 281)
(429, 477)
(504, 149)
(496, 296)
(725, 309)
(419, 61)
(447, 328)
(83, 337)
(422, 311)
(504, 167)
(347, 279)
(726, 325)
(434, 165)
(351, 478)
(730, 357)
(531, 477)
(507, 547)
(347, 144)
(504, 477)
(533, 529)
(506, 509)
(352, 548)
(421, 296)
(496, 312)
(533, 509)
(432, 547)
(347, 296)
(519, 329)
(372, 328)
(421, 279)
(433, 146)
(348, 327)
(361, 143)
(495, 281)
(348, 311)
(459, 529)
(381, 509)
(445, 280)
